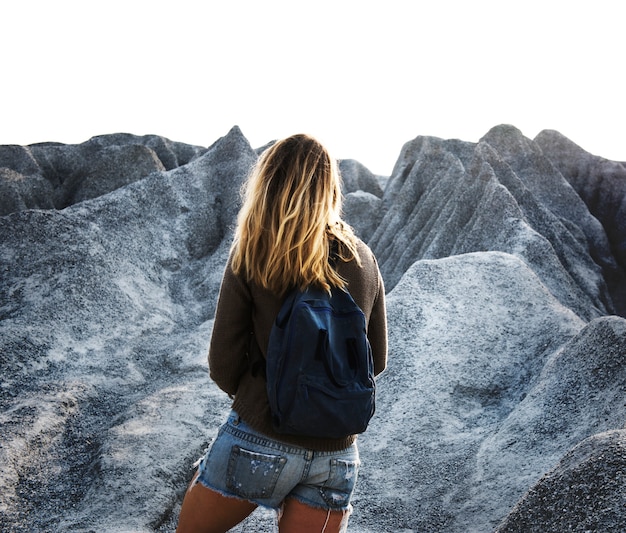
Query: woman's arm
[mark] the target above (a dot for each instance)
(228, 351)
(377, 330)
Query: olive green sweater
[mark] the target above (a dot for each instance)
(243, 308)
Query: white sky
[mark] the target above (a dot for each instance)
(364, 77)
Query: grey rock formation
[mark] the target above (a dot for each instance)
(357, 177)
(448, 197)
(470, 336)
(601, 184)
(592, 473)
(363, 197)
(53, 175)
(361, 209)
(503, 404)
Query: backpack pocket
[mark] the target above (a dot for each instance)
(327, 413)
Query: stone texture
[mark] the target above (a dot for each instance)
(585, 492)
(54, 175)
(601, 184)
(449, 197)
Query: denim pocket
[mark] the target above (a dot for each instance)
(339, 487)
(253, 475)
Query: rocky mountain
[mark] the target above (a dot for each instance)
(504, 404)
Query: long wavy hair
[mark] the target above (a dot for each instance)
(290, 218)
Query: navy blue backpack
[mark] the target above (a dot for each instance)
(319, 367)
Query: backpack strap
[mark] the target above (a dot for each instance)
(256, 360)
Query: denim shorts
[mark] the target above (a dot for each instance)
(246, 464)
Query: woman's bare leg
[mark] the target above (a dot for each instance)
(207, 511)
(296, 517)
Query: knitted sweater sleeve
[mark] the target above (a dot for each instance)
(230, 340)
(377, 329)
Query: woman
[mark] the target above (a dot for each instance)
(288, 223)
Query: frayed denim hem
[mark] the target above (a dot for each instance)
(198, 481)
(317, 505)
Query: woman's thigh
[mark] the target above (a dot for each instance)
(297, 517)
(207, 511)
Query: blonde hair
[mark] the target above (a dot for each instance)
(290, 216)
